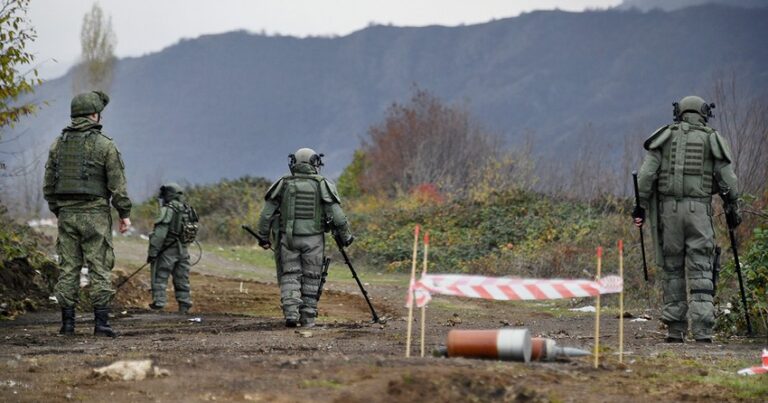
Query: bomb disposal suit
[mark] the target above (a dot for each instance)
(307, 205)
(687, 162)
(175, 228)
(84, 172)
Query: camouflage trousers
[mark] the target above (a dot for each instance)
(300, 276)
(174, 261)
(85, 239)
(688, 242)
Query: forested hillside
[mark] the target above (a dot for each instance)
(223, 106)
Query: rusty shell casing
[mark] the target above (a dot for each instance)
(502, 344)
(542, 349)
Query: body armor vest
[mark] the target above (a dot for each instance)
(687, 163)
(184, 225)
(77, 174)
(300, 208)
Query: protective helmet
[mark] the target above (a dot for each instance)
(306, 156)
(88, 103)
(695, 104)
(170, 191)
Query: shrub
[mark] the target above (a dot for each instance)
(754, 266)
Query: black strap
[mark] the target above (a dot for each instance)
(708, 292)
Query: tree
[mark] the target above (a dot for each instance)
(98, 41)
(17, 76)
(743, 120)
(15, 35)
(427, 142)
(349, 183)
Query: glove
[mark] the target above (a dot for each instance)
(265, 244)
(639, 212)
(151, 259)
(348, 240)
(732, 215)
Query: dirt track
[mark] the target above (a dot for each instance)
(240, 351)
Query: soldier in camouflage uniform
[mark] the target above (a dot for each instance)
(83, 173)
(687, 162)
(308, 205)
(168, 248)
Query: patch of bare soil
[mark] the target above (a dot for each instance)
(239, 350)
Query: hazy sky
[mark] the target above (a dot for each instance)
(144, 26)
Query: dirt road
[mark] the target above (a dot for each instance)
(240, 351)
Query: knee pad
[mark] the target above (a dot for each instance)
(292, 268)
(310, 284)
(702, 288)
(673, 288)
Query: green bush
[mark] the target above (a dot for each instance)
(27, 274)
(223, 207)
(754, 266)
(349, 183)
(508, 233)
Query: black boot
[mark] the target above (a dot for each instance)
(102, 328)
(291, 323)
(184, 308)
(67, 321)
(675, 336)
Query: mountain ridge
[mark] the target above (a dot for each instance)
(231, 104)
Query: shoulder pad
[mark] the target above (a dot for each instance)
(328, 192)
(176, 205)
(720, 148)
(659, 137)
(274, 191)
(56, 141)
(165, 216)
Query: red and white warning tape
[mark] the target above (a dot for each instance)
(757, 370)
(508, 289)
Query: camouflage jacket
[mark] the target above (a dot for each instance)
(105, 155)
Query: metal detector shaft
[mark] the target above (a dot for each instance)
(642, 239)
(741, 281)
(255, 235)
(142, 267)
(354, 274)
(129, 277)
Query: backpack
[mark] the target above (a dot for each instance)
(185, 223)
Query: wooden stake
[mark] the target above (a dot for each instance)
(424, 308)
(621, 302)
(597, 309)
(410, 291)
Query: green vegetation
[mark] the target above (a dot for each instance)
(743, 387)
(248, 255)
(321, 384)
(699, 371)
(510, 233)
(223, 207)
(349, 182)
(15, 36)
(27, 275)
(432, 164)
(754, 266)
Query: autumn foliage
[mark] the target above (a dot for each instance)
(425, 142)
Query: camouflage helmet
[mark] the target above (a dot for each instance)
(306, 156)
(88, 103)
(170, 190)
(695, 104)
